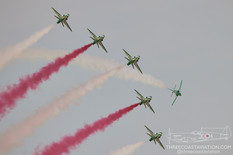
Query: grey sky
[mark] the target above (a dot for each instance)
(185, 39)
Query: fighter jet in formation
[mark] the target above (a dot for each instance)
(155, 137)
(97, 40)
(132, 60)
(144, 100)
(62, 19)
(176, 92)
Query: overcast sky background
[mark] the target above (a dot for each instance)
(189, 40)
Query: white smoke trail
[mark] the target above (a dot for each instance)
(14, 136)
(13, 52)
(127, 150)
(98, 64)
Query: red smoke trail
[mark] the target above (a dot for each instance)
(68, 142)
(9, 97)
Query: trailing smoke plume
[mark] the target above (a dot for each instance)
(127, 150)
(13, 93)
(14, 136)
(13, 52)
(69, 142)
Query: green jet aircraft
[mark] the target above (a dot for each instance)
(145, 101)
(155, 137)
(132, 60)
(97, 40)
(176, 92)
(62, 19)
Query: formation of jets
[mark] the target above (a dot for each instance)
(131, 61)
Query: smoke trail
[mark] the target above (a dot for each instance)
(10, 96)
(127, 150)
(14, 136)
(13, 52)
(99, 64)
(69, 142)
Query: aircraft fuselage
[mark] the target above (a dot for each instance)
(146, 100)
(135, 59)
(155, 137)
(64, 18)
(177, 92)
(99, 39)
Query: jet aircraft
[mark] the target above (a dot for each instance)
(176, 92)
(132, 60)
(155, 137)
(144, 100)
(62, 19)
(97, 40)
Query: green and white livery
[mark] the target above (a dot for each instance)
(176, 92)
(97, 40)
(132, 60)
(155, 137)
(62, 19)
(144, 100)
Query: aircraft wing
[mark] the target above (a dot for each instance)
(92, 34)
(128, 55)
(139, 94)
(101, 44)
(174, 100)
(180, 85)
(136, 64)
(170, 89)
(65, 22)
(148, 104)
(152, 133)
(57, 13)
(160, 143)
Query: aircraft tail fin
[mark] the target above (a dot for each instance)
(56, 17)
(149, 134)
(127, 58)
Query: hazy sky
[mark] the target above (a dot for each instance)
(183, 39)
